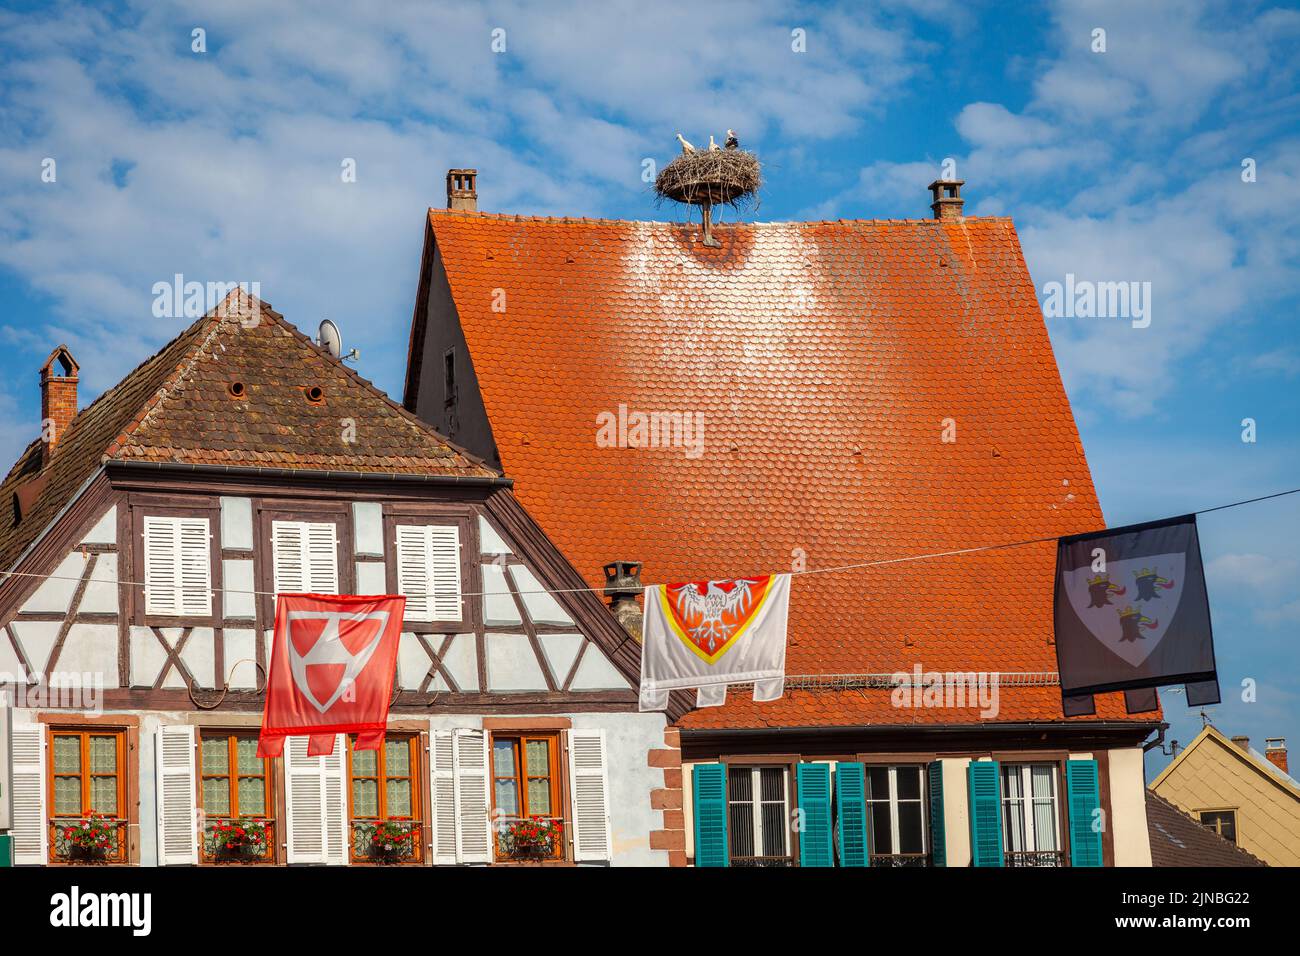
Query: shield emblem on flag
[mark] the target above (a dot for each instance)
(709, 616)
(329, 649)
(332, 670)
(1129, 606)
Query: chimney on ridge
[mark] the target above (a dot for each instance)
(1242, 742)
(623, 587)
(947, 198)
(462, 189)
(58, 399)
(1275, 751)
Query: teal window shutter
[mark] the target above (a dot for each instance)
(851, 814)
(938, 846)
(709, 789)
(1084, 790)
(984, 789)
(814, 789)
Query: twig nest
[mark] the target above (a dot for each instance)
(711, 177)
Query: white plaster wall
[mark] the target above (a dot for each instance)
(237, 523)
(237, 579)
(105, 529)
(1129, 808)
(956, 812)
(368, 529)
(371, 577)
(628, 740)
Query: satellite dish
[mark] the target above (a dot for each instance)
(329, 339)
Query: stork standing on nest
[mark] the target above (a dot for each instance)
(686, 147)
(732, 142)
(713, 147)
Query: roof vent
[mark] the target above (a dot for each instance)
(947, 198)
(462, 189)
(623, 587)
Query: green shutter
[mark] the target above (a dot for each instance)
(815, 803)
(709, 789)
(985, 791)
(1085, 800)
(851, 814)
(938, 847)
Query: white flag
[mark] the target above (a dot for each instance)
(708, 634)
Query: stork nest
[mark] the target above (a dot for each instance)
(711, 177)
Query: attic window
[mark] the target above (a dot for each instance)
(315, 395)
(449, 377)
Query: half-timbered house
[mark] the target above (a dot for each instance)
(807, 396)
(144, 538)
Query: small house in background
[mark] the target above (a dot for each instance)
(145, 538)
(1247, 797)
(1178, 839)
(774, 397)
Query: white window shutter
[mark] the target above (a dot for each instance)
(428, 571)
(177, 567)
(306, 557)
(290, 569)
(589, 788)
(335, 811)
(178, 841)
(30, 833)
(304, 803)
(442, 765)
(322, 557)
(161, 566)
(194, 571)
(473, 828)
(444, 572)
(413, 571)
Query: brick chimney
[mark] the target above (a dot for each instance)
(623, 587)
(58, 399)
(1242, 742)
(462, 189)
(947, 198)
(1275, 751)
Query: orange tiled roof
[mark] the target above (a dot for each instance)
(824, 359)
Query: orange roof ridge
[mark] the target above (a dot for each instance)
(472, 216)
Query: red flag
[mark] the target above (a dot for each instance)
(332, 670)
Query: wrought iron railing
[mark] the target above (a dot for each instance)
(387, 841)
(521, 839)
(897, 860)
(88, 840)
(1034, 858)
(762, 861)
(238, 840)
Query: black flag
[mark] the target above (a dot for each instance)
(1131, 613)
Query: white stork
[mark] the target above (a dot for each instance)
(732, 142)
(686, 147)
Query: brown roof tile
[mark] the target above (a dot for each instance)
(177, 407)
(1177, 839)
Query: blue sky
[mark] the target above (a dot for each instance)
(1122, 165)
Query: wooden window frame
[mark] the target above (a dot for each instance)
(894, 802)
(557, 788)
(471, 612)
(1217, 826)
(789, 780)
(140, 507)
(267, 511)
(1026, 802)
(418, 772)
(232, 777)
(120, 775)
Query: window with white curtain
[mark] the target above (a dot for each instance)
(896, 810)
(758, 810)
(1029, 808)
